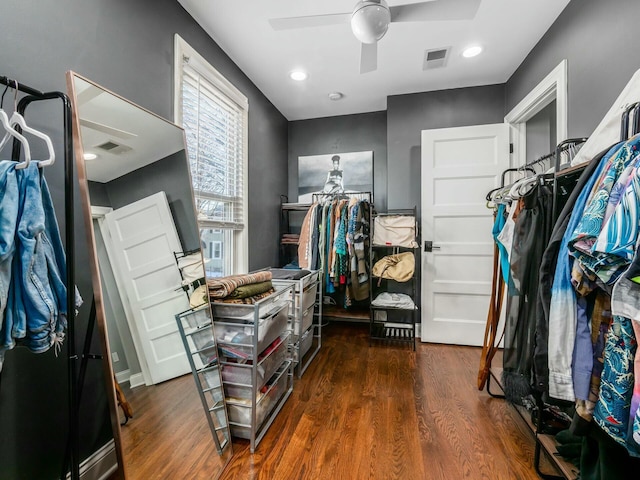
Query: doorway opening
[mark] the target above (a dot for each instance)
(539, 122)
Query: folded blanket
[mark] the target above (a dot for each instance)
(246, 301)
(251, 290)
(222, 287)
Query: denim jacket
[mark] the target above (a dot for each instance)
(36, 313)
(8, 220)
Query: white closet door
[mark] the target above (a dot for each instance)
(459, 167)
(144, 239)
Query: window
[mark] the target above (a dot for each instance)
(214, 115)
(216, 250)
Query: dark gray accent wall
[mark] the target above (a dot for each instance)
(408, 115)
(346, 133)
(126, 47)
(599, 41)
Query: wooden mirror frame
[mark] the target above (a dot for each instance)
(110, 383)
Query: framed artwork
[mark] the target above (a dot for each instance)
(334, 173)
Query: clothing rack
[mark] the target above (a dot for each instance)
(329, 197)
(331, 309)
(542, 441)
(34, 95)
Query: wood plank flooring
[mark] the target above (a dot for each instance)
(382, 413)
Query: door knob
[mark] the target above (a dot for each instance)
(429, 247)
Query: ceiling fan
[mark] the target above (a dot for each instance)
(370, 20)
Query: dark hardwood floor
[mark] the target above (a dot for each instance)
(359, 412)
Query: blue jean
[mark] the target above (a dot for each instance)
(36, 314)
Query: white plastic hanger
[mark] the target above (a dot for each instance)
(18, 119)
(11, 133)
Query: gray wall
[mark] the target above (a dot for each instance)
(346, 133)
(599, 41)
(408, 115)
(126, 47)
(170, 175)
(541, 133)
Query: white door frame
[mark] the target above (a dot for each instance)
(553, 87)
(99, 213)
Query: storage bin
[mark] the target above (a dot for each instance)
(237, 377)
(208, 353)
(210, 377)
(303, 346)
(198, 318)
(239, 411)
(202, 337)
(305, 289)
(243, 311)
(308, 297)
(305, 343)
(236, 339)
(304, 323)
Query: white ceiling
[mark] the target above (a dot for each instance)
(507, 30)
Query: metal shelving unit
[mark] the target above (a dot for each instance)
(254, 342)
(389, 323)
(305, 313)
(196, 331)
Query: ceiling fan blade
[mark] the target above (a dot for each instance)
(309, 21)
(435, 11)
(368, 57)
(116, 132)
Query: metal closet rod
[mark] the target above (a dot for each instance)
(34, 95)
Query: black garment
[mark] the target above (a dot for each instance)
(531, 232)
(546, 274)
(604, 459)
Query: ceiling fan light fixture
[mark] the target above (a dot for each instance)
(370, 20)
(298, 75)
(472, 51)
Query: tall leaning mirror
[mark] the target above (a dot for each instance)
(150, 289)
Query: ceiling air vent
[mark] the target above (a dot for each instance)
(113, 147)
(435, 58)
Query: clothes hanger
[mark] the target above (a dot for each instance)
(18, 119)
(10, 132)
(493, 195)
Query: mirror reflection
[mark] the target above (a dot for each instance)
(155, 310)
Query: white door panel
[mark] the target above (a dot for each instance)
(459, 166)
(144, 239)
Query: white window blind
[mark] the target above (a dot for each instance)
(214, 127)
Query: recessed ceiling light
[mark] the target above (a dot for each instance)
(472, 51)
(298, 75)
(90, 156)
(336, 95)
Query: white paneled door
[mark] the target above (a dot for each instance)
(143, 240)
(459, 166)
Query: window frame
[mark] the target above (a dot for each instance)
(240, 238)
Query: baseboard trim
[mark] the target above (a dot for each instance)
(123, 376)
(136, 380)
(101, 464)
